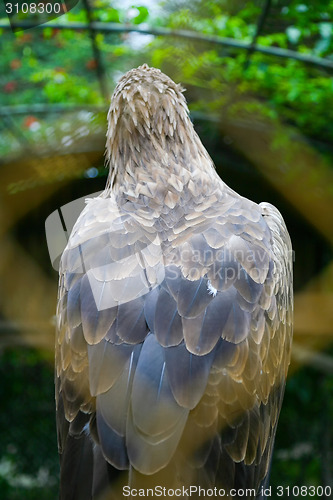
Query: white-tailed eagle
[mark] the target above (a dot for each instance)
(174, 318)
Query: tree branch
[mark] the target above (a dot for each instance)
(190, 35)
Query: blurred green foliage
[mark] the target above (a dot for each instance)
(56, 66)
(46, 66)
(304, 442)
(299, 94)
(28, 442)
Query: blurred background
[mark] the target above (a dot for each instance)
(259, 85)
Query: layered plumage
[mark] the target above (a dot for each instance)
(174, 314)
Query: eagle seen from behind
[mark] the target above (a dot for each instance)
(174, 317)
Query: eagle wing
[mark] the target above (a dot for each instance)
(173, 343)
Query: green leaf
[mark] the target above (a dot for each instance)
(47, 32)
(142, 15)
